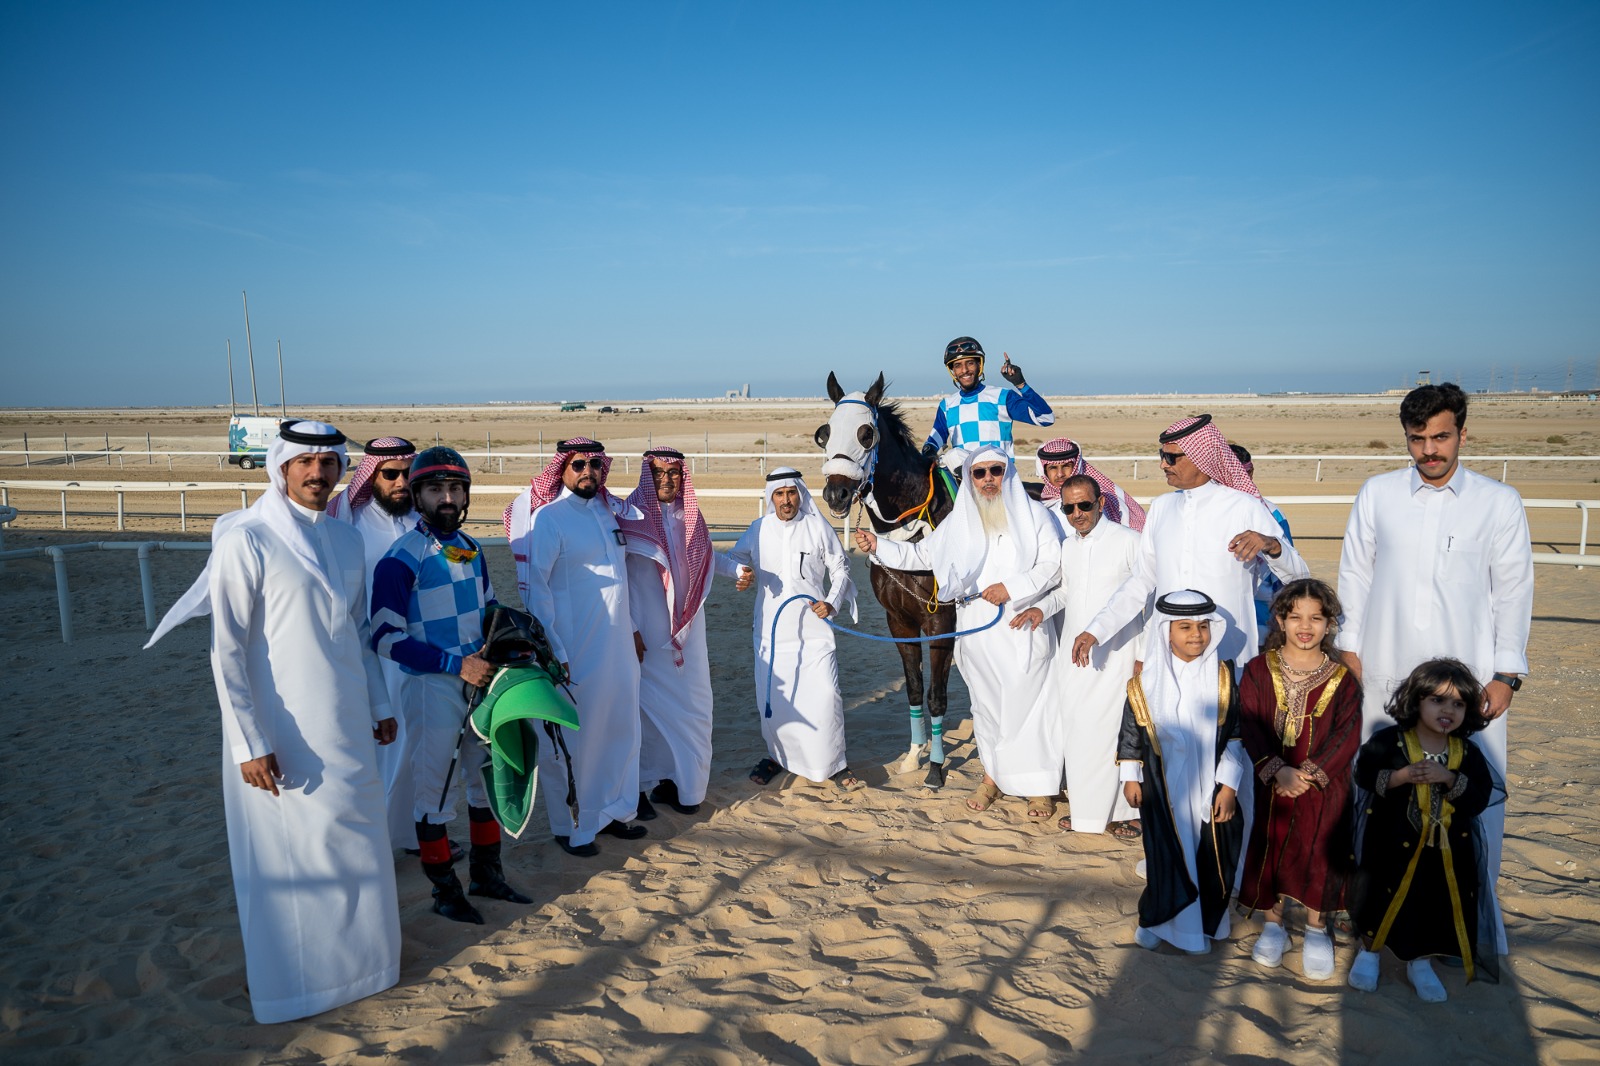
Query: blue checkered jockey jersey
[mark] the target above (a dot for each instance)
(427, 611)
(983, 415)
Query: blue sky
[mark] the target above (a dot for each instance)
(433, 203)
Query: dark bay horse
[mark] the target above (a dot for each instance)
(876, 459)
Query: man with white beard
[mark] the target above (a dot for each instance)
(670, 568)
(1096, 557)
(996, 549)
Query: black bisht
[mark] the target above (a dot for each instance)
(1168, 887)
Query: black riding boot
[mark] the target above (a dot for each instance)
(448, 899)
(487, 876)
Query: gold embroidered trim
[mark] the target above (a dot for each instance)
(1141, 713)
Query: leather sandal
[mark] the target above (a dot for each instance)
(983, 797)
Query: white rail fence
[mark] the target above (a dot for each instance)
(704, 460)
(145, 549)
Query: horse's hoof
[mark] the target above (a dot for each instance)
(911, 760)
(935, 778)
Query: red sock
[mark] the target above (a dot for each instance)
(486, 832)
(435, 851)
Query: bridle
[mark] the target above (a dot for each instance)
(870, 463)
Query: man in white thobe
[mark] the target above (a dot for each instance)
(572, 573)
(670, 567)
(793, 551)
(1211, 535)
(304, 709)
(378, 502)
(996, 550)
(1097, 556)
(1437, 562)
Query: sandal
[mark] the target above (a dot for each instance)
(847, 781)
(1128, 831)
(1066, 824)
(983, 797)
(765, 771)
(1041, 808)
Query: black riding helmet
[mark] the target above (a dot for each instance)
(964, 348)
(439, 464)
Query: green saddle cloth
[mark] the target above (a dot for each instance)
(519, 698)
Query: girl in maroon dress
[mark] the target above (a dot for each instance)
(1300, 721)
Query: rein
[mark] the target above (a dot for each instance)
(772, 642)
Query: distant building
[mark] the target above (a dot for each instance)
(741, 393)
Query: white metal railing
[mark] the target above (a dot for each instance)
(58, 557)
(58, 553)
(244, 489)
(703, 460)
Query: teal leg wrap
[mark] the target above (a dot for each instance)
(919, 728)
(936, 739)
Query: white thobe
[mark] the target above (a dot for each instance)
(675, 701)
(1427, 573)
(1185, 546)
(295, 677)
(805, 733)
(379, 530)
(1188, 737)
(1016, 723)
(1091, 697)
(573, 575)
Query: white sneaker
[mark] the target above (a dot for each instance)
(1270, 945)
(1364, 972)
(1316, 955)
(1425, 981)
(1145, 938)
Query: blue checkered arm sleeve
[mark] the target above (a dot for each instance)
(392, 583)
(941, 429)
(1025, 405)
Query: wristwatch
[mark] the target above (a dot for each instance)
(1510, 681)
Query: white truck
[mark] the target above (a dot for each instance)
(248, 437)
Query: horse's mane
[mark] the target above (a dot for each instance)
(892, 425)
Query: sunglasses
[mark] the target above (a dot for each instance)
(1169, 458)
(580, 465)
(1082, 505)
(979, 473)
(391, 475)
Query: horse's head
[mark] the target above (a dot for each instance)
(849, 438)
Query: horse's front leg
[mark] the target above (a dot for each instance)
(940, 655)
(911, 660)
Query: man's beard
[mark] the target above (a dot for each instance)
(585, 492)
(397, 506)
(446, 519)
(992, 512)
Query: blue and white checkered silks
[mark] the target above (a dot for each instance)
(447, 600)
(1268, 584)
(979, 419)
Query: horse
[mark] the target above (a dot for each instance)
(874, 458)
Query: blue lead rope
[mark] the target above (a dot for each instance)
(772, 642)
